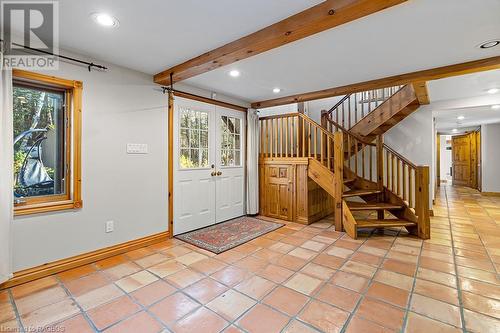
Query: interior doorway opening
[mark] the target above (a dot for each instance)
(459, 160)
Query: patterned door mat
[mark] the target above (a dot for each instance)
(227, 235)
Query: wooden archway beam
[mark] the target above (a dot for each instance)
(419, 76)
(324, 16)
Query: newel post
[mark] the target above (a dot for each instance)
(324, 116)
(422, 202)
(338, 167)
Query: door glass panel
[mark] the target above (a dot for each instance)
(193, 139)
(230, 141)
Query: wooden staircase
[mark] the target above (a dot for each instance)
(372, 186)
(389, 191)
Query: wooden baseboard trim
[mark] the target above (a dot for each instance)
(58, 266)
(491, 194)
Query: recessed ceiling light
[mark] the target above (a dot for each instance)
(489, 44)
(460, 117)
(493, 91)
(234, 73)
(276, 90)
(454, 130)
(105, 20)
(495, 107)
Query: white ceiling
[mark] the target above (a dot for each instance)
(474, 117)
(466, 96)
(416, 35)
(156, 34)
(464, 86)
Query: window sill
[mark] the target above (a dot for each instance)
(47, 207)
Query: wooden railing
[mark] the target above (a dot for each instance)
(379, 163)
(360, 156)
(296, 135)
(353, 107)
(399, 175)
(409, 182)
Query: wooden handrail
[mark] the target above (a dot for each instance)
(321, 128)
(342, 100)
(286, 115)
(401, 157)
(356, 106)
(346, 132)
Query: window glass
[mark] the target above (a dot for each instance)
(193, 139)
(39, 141)
(230, 141)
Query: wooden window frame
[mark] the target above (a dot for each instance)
(72, 198)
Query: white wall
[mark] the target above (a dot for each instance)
(413, 138)
(120, 106)
(490, 155)
(311, 108)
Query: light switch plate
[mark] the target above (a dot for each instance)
(109, 226)
(137, 148)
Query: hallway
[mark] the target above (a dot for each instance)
(295, 279)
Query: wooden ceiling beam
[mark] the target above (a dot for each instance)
(419, 76)
(324, 16)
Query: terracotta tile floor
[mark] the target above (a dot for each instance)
(295, 279)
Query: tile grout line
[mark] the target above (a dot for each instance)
(483, 244)
(457, 281)
(82, 311)
(234, 322)
(311, 298)
(412, 291)
(16, 311)
(363, 294)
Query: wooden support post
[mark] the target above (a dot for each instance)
(422, 202)
(324, 121)
(300, 138)
(171, 163)
(324, 124)
(380, 173)
(338, 167)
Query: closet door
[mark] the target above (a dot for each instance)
(194, 165)
(230, 163)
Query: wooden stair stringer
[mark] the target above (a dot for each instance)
(348, 221)
(360, 183)
(322, 176)
(391, 112)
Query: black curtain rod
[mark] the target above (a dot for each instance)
(89, 64)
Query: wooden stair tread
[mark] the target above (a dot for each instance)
(349, 180)
(384, 223)
(356, 193)
(357, 206)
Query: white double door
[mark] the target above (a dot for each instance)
(209, 160)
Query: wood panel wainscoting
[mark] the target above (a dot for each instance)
(62, 265)
(287, 193)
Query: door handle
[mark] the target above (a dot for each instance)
(219, 173)
(213, 173)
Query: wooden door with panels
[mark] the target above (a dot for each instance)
(278, 187)
(478, 161)
(230, 155)
(461, 159)
(209, 159)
